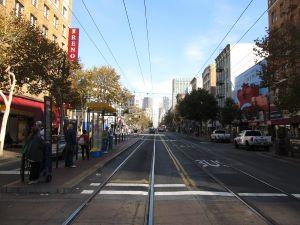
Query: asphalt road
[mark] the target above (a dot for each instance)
(195, 183)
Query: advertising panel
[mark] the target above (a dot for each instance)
(73, 44)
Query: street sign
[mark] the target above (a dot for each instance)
(73, 44)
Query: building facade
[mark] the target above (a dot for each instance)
(196, 83)
(209, 79)
(232, 61)
(283, 10)
(179, 86)
(53, 18)
(166, 103)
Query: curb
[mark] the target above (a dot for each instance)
(68, 186)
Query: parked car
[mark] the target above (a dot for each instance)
(60, 142)
(294, 146)
(161, 129)
(252, 139)
(220, 136)
(152, 130)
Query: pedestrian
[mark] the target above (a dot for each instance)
(70, 136)
(83, 141)
(105, 136)
(35, 154)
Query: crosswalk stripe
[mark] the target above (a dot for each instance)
(123, 193)
(204, 193)
(87, 192)
(95, 184)
(169, 185)
(127, 185)
(262, 194)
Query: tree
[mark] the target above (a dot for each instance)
(136, 118)
(199, 105)
(281, 73)
(229, 112)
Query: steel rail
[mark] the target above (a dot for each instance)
(76, 213)
(253, 208)
(246, 173)
(149, 215)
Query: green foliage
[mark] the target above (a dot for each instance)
(281, 73)
(229, 112)
(137, 118)
(199, 105)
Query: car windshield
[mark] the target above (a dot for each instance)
(220, 132)
(253, 133)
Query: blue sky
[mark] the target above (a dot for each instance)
(183, 33)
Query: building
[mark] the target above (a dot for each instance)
(147, 103)
(209, 79)
(161, 112)
(166, 103)
(53, 17)
(283, 10)
(179, 86)
(232, 61)
(196, 83)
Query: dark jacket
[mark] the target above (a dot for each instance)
(71, 137)
(36, 149)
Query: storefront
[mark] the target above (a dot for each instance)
(23, 113)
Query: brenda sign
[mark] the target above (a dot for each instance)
(73, 44)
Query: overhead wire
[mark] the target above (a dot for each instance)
(148, 43)
(226, 35)
(134, 44)
(107, 45)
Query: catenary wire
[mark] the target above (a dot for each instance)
(133, 41)
(148, 43)
(107, 45)
(231, 28)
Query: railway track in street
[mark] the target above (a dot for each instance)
(149, 206)
(204, 166)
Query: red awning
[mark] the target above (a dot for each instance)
(35, 108)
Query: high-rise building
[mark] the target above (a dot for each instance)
(231, 62)
(195, 83)
(166, 103)
(147, 103)
(179, 86)
(283, 10)
(209, 78)
(53, 17)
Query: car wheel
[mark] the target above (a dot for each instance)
(248, 147)
(236, 145)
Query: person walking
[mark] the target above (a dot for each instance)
(70, 146)
(35, 154)
(105, 136)
(83, 141)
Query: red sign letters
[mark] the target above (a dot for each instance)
(73, 44)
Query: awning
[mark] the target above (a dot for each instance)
(22, 105)
(101, 106)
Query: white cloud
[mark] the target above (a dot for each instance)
(193, 52)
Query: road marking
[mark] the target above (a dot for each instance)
(95, 184)
(169, 185)
(127, 185)
(204, 193)
(205, 163)
(12, 172)
(262, 195)
(87, 192)
(123, 193)
(296, 195)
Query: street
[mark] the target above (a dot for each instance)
(195, 182)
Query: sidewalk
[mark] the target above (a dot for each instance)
(64, 179)
(10, 156)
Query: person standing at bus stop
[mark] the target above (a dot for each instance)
(83, 141)
(70, 146)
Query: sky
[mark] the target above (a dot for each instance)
(182, 34)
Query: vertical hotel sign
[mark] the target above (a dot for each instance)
(73, 44)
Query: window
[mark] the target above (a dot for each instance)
(2, 2)
(33, 20)
(54, 38)
(56, 2)
(46, 11)
(64, 31)
(19, 9)
(55, 21)
(274, 17)
(65, 12)
(34, 3)
(45, 31)
(63, 46)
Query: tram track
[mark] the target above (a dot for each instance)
(149, 206)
